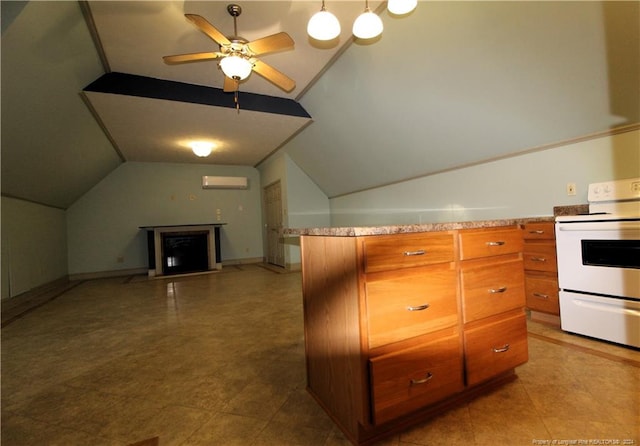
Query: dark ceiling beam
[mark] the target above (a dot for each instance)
(148, 87)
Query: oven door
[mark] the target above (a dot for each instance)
(599, 257)
(615, 320)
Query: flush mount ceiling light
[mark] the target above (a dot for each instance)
(400, 7)
(323, 25)
(201, 148)
(236, 67)
(368, 25)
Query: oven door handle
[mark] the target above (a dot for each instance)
(600, 226)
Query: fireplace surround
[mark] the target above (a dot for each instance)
(180, 249)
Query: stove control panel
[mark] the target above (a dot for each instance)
(619, 190)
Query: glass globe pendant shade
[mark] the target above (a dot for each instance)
(400, 7)
(236, 67)
(323, 26)
(368, 25)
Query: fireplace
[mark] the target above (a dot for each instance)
(185, 252)
(183, 249)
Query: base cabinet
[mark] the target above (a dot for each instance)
(409, 379)
(398, 324)
(492, 283)
(495, 347)
(409, 304)
(541, 270)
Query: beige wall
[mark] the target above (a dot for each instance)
(34, 246)
(528, 185)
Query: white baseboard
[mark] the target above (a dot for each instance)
(41, 289)
(246, 261)
(145, 271)
(107, 274)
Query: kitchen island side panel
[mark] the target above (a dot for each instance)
(332, 335)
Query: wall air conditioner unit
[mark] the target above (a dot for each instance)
(225, 182)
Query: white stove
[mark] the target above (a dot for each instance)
(599, 264)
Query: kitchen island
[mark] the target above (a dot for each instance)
(402, 322)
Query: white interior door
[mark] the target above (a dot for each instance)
(273, 209)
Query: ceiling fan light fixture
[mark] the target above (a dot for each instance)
(201, 148)
(236, 67)
(367, 25)
(400, 7)
(323, 25)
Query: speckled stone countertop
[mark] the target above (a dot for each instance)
(577, 209)
(404, 229)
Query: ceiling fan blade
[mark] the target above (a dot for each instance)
(192, 57)
(230, 85)
(208, 29)
(274, 76)
(275, 42)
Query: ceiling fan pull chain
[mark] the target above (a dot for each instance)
(235, 98)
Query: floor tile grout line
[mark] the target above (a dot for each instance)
(540, 415)
(127, 280)
(12, 319)
(201, 430)
(588, 350)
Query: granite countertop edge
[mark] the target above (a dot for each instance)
(405, 229)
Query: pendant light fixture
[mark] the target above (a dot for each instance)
(368, 25)
(400, 7)
(323, 25)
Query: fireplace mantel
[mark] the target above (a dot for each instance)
(155, 246)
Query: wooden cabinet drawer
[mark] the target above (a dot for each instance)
(539, 231)
(495, 348)
(492, 289)
(542, 294)
(409, 379)
(411, 305)
(383, 253)
(485, 242)
(540, 257)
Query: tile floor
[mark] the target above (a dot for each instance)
(218, 359)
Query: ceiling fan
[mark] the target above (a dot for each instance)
(237, 55)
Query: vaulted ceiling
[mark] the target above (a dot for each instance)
(84, 88)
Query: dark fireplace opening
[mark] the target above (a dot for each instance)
(185, 252)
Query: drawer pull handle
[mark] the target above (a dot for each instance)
(498, 243)
(418, 307)
(541, 296)
(426, 379)
(502, 289)
(539, 231)
(419, 252)
(538, 259)
(501, 349)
